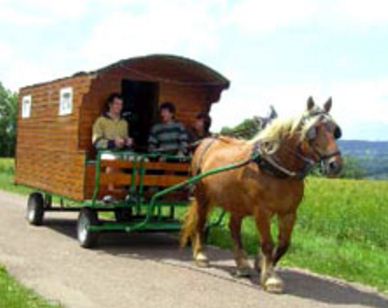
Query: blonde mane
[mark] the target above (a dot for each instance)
(279, 129)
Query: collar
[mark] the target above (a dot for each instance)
(269, 165)
(106, 115)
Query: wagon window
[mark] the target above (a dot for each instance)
(26, 106)
(66, 101)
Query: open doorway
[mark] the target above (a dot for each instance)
(140, 109)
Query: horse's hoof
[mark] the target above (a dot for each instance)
(202, 263)
(274, 285)
(243, 272)
(201, 260)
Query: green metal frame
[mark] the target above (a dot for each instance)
(149, 216)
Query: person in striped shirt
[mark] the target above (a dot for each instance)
(170, 136)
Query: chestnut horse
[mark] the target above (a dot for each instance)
(270, 183)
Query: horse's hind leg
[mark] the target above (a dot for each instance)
(202, 208)
(268, 278)
(243, 268)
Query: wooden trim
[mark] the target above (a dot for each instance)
(122, 164)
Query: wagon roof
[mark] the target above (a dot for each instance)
(160, 68)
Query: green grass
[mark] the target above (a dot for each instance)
(7, 169)
(13, 295)
(341, 231)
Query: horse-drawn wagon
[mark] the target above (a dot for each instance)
(55, 154)
(265, 178)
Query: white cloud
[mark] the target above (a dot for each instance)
(355, 103)
(363, 13)
(41, 12)
(184, 27)
(5, 52)
(253, 16)
(362, 101)
(203, 30)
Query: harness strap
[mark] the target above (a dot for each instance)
(269, 165)
(202, 157)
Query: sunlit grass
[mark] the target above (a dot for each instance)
(13, 295)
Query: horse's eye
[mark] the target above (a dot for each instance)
(337, 133)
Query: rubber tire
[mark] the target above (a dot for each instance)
(86, 238)
(35, 209)
(123, 215)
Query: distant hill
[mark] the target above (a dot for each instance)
(371, 155)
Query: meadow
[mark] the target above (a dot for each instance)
(341, 229)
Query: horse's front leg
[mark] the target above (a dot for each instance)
(243, 268)
(269, 280)
(286, 225)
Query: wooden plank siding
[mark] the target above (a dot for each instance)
(47, 153)
(52, 150)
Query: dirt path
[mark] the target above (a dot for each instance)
(145, 271)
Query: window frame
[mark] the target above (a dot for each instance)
(26, 112)
(65, 108)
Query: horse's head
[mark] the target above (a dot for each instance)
(319, 133)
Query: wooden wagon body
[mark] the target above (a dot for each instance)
(55, 119)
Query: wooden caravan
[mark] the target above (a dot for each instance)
(55, 118)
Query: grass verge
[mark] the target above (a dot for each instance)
(13, 295)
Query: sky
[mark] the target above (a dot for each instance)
(273, 52)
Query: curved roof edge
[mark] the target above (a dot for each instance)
(216, 78)
(213, 78)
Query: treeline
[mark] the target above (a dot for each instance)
(8, 117)
(250, 127)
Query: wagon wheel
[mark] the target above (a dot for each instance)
(87, 218)
(35, 209)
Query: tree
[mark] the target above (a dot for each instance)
(246, 130)
(352, 168)
(8, 118)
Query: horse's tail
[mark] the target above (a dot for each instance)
(189, 224)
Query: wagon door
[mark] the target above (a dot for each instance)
(140, 109)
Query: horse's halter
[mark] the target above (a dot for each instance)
(312, 134)
(268, 162)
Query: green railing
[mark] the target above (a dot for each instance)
(149, 221)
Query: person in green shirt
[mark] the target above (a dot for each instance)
(110, 132)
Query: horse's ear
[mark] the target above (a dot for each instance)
(310, 103)
(327, 105)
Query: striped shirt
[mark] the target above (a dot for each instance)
(169, 138)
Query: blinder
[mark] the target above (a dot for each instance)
(311, 133)
(337, 132)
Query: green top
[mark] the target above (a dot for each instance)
(106, 129)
